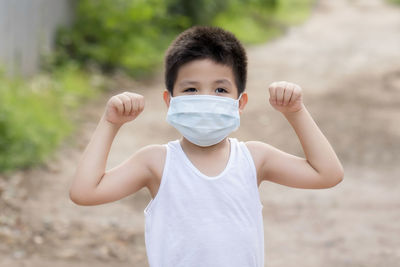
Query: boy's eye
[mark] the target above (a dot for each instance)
(190, 89)
(220, 90)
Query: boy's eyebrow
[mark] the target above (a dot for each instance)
(188, 82)
(223, 81)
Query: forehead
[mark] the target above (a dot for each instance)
(205, 70)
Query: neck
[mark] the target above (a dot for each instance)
(188, 146)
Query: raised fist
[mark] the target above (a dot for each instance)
(285, 97)
(123, 108)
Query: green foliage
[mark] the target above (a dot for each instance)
(248, 20)
(118, 34)
(196, 12)
(293, 11)
(133, 34)
(35, 115)
(256, 21)
(395, 1)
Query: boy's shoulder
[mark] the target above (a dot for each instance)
(146, 164)
(153, 157)
(153, 153)
(257, 146)
(259, 151)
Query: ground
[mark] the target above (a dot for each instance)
(346, 58)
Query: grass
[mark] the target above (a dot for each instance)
(35, 114)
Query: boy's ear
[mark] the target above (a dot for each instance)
(166, 97)
(242, 102)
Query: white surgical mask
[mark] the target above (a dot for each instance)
(204, 120)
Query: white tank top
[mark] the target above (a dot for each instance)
(201, 221)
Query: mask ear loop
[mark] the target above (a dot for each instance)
(240, 96)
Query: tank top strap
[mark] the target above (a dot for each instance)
(249, 158)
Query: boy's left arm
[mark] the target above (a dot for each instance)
(320, 169)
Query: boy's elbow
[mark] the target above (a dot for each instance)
(337, 178)
(74, 197)
(340, 175)
(77, 198)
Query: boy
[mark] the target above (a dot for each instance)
(205, 209)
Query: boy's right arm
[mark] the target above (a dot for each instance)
(92, 185)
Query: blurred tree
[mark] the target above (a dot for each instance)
(133, 34)
(197, 11)
(121, 33)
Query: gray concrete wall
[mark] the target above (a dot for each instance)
(27, 29)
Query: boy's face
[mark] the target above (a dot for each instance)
(205, 77)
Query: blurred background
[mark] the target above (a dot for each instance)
(60, 61)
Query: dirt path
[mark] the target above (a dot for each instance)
(346, 57)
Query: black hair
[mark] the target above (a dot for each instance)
(206, 42)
